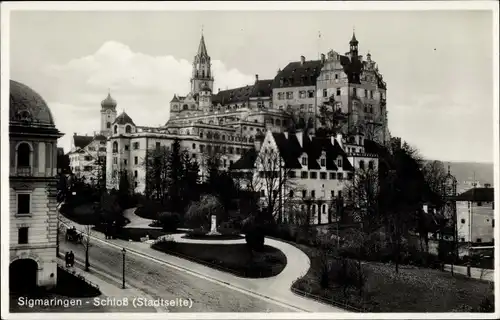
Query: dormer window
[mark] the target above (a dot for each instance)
(304, 161)
(339, 162)
(115, 130)
(323, 162)
(128, 129)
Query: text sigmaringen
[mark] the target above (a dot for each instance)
(65, 302)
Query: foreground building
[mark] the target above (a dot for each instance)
(32, 188)
(300, 172)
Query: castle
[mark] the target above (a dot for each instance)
(228, 121)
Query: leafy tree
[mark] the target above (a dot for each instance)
(156, 173)
(175, 177)
(331, 118)
(200, 212)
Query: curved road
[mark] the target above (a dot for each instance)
(167, 283)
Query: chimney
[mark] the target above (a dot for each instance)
(323, 58)
(302, 60)
(256, 77)
(300, 137)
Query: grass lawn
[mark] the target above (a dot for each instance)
(412, 290)
(232, 258)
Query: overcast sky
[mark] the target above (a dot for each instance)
(437, 64)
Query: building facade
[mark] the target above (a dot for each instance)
(476, 216)
(32, 188)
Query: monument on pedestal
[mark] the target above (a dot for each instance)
(213, 226)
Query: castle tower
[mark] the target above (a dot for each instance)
(202, 73)
(108, 115)
(205, 98)
(353, 47)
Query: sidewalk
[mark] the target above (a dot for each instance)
(111, 291)
(476, 273)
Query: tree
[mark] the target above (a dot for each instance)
(200, 212)
(175, 175)
(124, 189)
(271, 178)
(86, 241)
(331, 118)
(156, 173)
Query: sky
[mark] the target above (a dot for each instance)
(437, 64)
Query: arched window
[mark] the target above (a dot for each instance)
(108, 125)
(187, 132)
(115, 147)
(223, 137)
(116, 129)
(203, 73)
(128, 129)
(323, 208)
(23, 155)
(201, 134)
(185, 107)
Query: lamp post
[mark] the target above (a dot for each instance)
(123, 268)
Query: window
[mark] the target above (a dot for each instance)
(302, 94)
(303, 174)
(479, 204)
(479, 240)
(339, 163)
(338, 92)
(370, 165)
(115, 160)
(304, 161)
(128, 129)
(325, 93)
(371, 94)
(291, 194)
(22, 235)
(158, 145)
(332, 175)
(332, 193)
(125, 161)
(126, 147)
(462, 220)
(291, 174)
(108, 125)
(202, 148)
(366, 93)
(354, 92)
(289, 95)
(322, 175)
(340, 176)
(304, 193)
(362, 165)
(23, 155)
(281, 95)
(116, 129)
(339, 194)
(23, 203)
(136, 160)
(115, 147)
(336, 76)
(313, 175)
(323, 162)
(136, 145)
(493, 223)
(313, 193)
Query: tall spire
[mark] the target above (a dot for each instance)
(354, 40)
(202, 48)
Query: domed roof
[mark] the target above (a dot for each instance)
(27, 107)
(109, 103)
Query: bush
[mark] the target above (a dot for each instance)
(228, 231)
(198, 232)
(170, 221)
(255, 239)
(347, 273)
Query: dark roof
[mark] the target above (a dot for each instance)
(291, 150)
(82, 141)
(109, 102)
(123, 118)
(477, 194)
(100, 137)
(175, 99)
(261, 88)
(246, 161)
(27, 107)
(298, 74)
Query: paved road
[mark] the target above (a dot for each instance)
(165, 283)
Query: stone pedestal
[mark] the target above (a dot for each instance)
(213, 226)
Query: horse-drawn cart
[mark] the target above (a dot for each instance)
(73, 235)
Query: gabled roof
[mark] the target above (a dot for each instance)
(291, 150)
(82, 141)
(175, 99)
(298, 74)
(123, 118)
(246, 161)
(477, 194)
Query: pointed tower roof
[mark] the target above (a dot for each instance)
(175, 99)
(353, 40)
(202, 48)
(109, 102)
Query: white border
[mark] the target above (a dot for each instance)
(232, 6)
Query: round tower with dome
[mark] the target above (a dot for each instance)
(108, 115)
